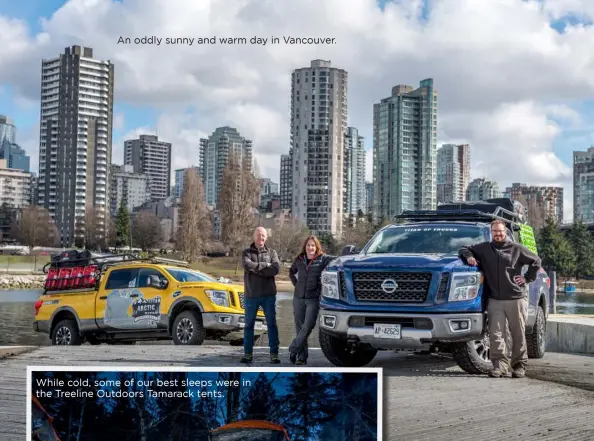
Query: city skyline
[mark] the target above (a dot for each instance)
(491, 107)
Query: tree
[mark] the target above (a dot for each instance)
(195, 226)
(147, 230)
(35, 228)
(554, 249)
(122, 227)
(239, 197)
(581, 243)
(287, 239)
(357, 234)
(94, 228)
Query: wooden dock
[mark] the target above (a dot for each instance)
(425, 397)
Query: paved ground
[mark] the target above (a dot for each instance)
(425, 397)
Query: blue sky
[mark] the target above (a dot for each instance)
(574, 109)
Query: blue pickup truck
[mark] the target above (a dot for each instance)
(407, 289)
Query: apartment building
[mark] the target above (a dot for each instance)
(319, 111)
(151, 157)
(128, 188)
(15, 186)
(214, 154)
(354, 173)
(480, 189)
(75, 139)
(405, 150)
(179, 177)
(453, 172)
(286, 182)
(583, 185)
(542, 202)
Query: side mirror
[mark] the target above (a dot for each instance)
(163, 283)
(348, 250)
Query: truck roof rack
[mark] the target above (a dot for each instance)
(479, 211)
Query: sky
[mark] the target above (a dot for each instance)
(515, 77)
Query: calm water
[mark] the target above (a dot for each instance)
(17, 313)
(16, 310)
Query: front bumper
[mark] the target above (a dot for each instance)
(233, 324)
(417, 331)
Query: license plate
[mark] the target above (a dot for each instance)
(259, 326)
(387, 331)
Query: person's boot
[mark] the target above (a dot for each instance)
(274, 358)
(247, 358)
(519, 372)
(498, 371)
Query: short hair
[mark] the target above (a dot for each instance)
(498, 222)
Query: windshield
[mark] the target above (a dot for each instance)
(184, 275)
(430, 239)
(248, 435)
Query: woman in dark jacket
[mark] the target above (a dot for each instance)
(306, 274)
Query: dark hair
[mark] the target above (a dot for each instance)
(319, 249)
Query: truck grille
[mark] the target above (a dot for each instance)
(242, 301)
(342, 283)
(412, 287)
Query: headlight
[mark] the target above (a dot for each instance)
(220, 298)
(330, 285)
(465, 286)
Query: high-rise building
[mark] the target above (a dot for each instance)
(542, 202)
(15, 156)
(15, 186)
(128, 188)
(369, 197)
(583, 185)
(179, 177)
(405, 150)
(214, 153)
(286, 181)
(151, 157)
(354, 172)
(453, 172)
(7, 130)
(75, 139)
(318, 127)
(480, 189)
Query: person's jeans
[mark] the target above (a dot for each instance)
(268, 304)
(305, 312)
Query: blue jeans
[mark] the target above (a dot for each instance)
(268, 304)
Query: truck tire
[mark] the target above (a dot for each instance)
(66, 333)
(338, 353)
(536, 341)
(188, 329)
(473, 356)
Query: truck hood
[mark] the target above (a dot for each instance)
(431, 262)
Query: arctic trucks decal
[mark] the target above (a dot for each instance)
(128, 309)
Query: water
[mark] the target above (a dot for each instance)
(17, 312)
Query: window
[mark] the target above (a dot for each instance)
(144, 277)
(183, 275)
(122, 279)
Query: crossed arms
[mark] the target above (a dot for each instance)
(266, 269)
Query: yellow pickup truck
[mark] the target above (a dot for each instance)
(119, 299)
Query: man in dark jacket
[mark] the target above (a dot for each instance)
(261, 266)
(501, 262)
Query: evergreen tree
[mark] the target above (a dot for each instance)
(583, 249)
(122, 227)
(555, 249)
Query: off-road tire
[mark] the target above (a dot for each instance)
(466, 355)
(66, 333)
(536, 341)
(336, 350)
(192, 322)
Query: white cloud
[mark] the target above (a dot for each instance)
(503, 74)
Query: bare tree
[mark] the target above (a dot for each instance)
(287, 239)
(239, 197)
(358, 233)
(35, 228)
(146, 230)
(195, 225)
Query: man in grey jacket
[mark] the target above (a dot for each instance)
(501, 262)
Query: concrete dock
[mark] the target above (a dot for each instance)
(425, 397)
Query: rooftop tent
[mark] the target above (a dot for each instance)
(42, 428)
(250, 430)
